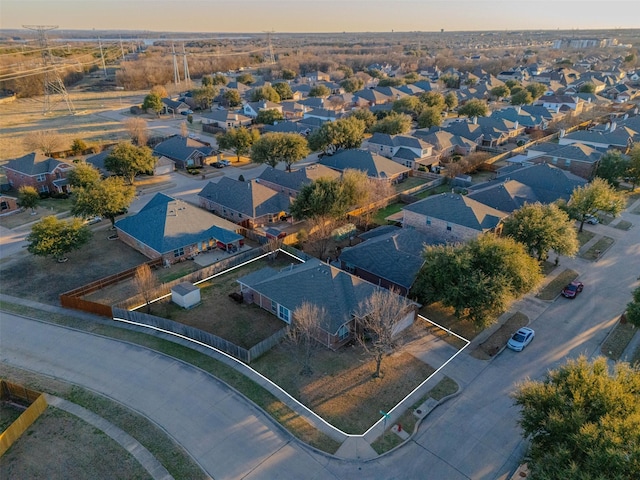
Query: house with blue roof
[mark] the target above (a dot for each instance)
(184, 151)
(173, 230)
(339, 293)
(374, 165)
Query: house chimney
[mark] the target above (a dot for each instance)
(515, 127)
(518, 108)
(613, 127)
(235, 117)
(475, 120)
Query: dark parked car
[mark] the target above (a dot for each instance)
(572, 290)
(217, 165)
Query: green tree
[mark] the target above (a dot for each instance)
(265, 93)
(108, 199)
(127, 160)
(511, 83)
(319, 91)
(51, 237)
(239, 140)
(587, 87)
(433, 99)
(612, 166)
(153, 102)
(393, 124)
(597, 196)
(478, 279)
(283, 90)
(430, 117)
(633, 167)
(352, 84)
(245, 78)
(412, 77)
(343, 133)
(409, 105)
(365, 115)
(78, 146)
(536, 90)
(219, 80)
(347, 70)
(273, 148)
(450, 101)
(541, 228)
(322, 198)
(474, 108)
(501, 91)
(391, 82)
(204, 96)
(28, 197)
(450, 81)
(288, 74)
(269, 116)
(83, 175)
(232, 97)
(582, 421)
(207, 80)
(633, 308)
(523, 97)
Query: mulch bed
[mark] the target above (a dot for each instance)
(498, 339)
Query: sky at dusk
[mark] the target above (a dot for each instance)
(320, 15)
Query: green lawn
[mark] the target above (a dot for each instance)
(553, 288)
(379, 217)
(598, 248)
(433, 191)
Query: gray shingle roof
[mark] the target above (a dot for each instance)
(181, 148)
(166, 224)
(459, 210)
(249, 198)
(507, 196)
(374, 165)
(395, 256)
(33, 164)
(296, 179)
(338, 292)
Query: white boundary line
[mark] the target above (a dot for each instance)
(280, 389)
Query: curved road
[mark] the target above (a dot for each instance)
(475, 435)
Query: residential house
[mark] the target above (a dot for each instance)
(249, 204)
(618, 137)
(252, 109)
(290, 183)
(409, 151)
(184, 151)
(446, 144)
(287, 126)
(45, 174)
(173, 107)
(523, 118)
(225, 119)
(373, 97)
(339, 293)
(322, 114)
(577, 158)
(8, 204)
(374, 165)
(174, 230)
(317, 76)
(561, 102)
(292, 109)
(452, 218)
(98, 159)
(391, 259)
(522, 184)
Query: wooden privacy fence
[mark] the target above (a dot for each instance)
(17, 393)
(242, 354)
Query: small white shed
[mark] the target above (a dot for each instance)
(185, 294)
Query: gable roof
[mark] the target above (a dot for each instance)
(325, 286)
(34, 163)
(458, 209)
(181, 148)
(374, 165)
(507, 196)
(395, 256)
(296, 179)
(442, 140)
(249, 198)
(166, 224)
(575, 151)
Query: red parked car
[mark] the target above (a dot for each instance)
(572, 290)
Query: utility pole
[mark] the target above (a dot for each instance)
(104, 66)
(185, 65)
(53, 84)
(272, 59)
(121, 48)
(176, 73)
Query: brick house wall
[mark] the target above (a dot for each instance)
(279, 188)
(439, 229)
(43, 183)
(238, 217)
(8, 205)
(585, 170)
(170, 257)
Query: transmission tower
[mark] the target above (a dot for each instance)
(272, 58)
(176, 72)
(54, 89)
(187, 77)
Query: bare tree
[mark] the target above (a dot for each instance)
(377, 323)
(146, 283)
(320, 229)
(184, 130)
(303, 333)
(137, 130)
(46, 141)
(272, 246)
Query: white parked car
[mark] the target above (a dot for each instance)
(521, 339)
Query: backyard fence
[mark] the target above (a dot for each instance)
(242, 354)
(19, 394)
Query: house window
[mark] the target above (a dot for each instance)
(343, 332)
(44, 189)
(284, 314)
(349, 267)
(448, 227)
(274, 307)
(554, 160)
(239, 215)
(4, 206)
(178, 252)
(428, 221)
(41, 178)
(567, 162)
